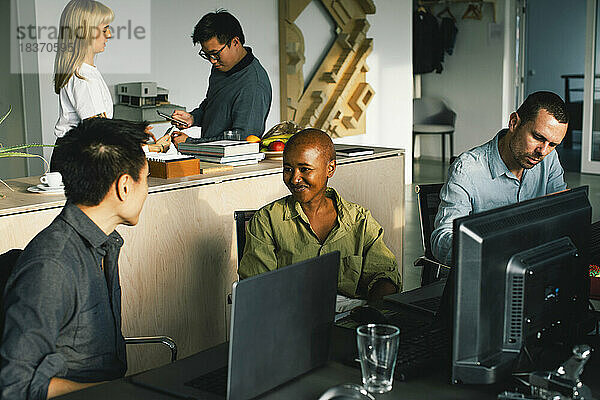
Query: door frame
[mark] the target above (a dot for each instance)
(520, 47)
(589, 166)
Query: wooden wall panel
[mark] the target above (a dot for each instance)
(338, 95)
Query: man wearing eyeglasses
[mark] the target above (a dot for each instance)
(239, 90)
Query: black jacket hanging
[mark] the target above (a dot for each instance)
(428, 53)
(448, 33)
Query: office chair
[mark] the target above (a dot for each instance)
(7, 262)
(241, 221)
(429, 201)
(431, 116)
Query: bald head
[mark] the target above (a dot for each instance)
(308, 163)
(311, 138)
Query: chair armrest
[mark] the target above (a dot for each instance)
(422, 261)
(165, 340)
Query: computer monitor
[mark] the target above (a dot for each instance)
(520, 278)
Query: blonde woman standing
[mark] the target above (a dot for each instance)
(82, 91)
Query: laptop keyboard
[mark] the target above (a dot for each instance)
(212, 382)
(432, 304)
(423, 352)
(423, 348)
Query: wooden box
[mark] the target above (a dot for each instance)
(174, 168)
(167, 169)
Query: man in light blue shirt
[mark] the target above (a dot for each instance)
(518, 164)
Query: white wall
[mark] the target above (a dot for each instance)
(389, 116)
(318, 29)
(175, 63)
(472, 83)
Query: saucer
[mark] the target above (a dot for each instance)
(37, 189)
(46, 188)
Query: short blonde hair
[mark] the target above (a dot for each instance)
(79, 23)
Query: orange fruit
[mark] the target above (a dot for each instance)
(253, 139)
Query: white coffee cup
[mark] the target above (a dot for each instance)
(52, 179)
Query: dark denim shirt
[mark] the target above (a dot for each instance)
(63, 309)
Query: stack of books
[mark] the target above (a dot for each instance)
(229, 152)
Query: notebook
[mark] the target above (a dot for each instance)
(354, 151)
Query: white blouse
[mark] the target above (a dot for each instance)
(80, 99)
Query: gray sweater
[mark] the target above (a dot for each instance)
(236, 99)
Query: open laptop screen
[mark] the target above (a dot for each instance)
(281, 325)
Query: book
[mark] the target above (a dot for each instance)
(223, 148)
(354, 151)
(229, 159)
(240, 163)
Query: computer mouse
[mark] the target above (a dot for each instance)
(368, 315)
(347, 391)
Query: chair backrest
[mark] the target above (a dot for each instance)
(8, 261)
(241, 221)
(428, 201)
(430, 110)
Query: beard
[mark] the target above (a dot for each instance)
(524, 159)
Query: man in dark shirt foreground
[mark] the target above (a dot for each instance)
(62, 302)
(239, 89)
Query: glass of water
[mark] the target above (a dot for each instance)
(234, 134)
(377, 350)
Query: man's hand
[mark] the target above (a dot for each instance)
(382, 288)
(162, 145)
(149, 133)
(186, 118)
(178, 137)
(164, 142)
(60, 386)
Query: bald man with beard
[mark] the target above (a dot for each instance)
(315, 220)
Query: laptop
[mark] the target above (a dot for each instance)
(424, 316)
(280, 328)
(425, 299)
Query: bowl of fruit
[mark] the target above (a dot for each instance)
(273, 142)
(274, 150)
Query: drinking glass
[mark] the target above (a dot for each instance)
(234, 134)
(377, 350)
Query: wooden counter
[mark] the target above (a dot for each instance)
(178, 263)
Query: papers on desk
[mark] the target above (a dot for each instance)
(165, 157)
(343, 303)
(354, 151)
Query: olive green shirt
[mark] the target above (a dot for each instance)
(280, 234)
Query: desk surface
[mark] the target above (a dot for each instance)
(21, 200)
(316, 382)
(310, 386)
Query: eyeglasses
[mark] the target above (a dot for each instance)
(216, 56)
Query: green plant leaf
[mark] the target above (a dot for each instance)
(16, 154)
(7, 114)
(24, 146)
